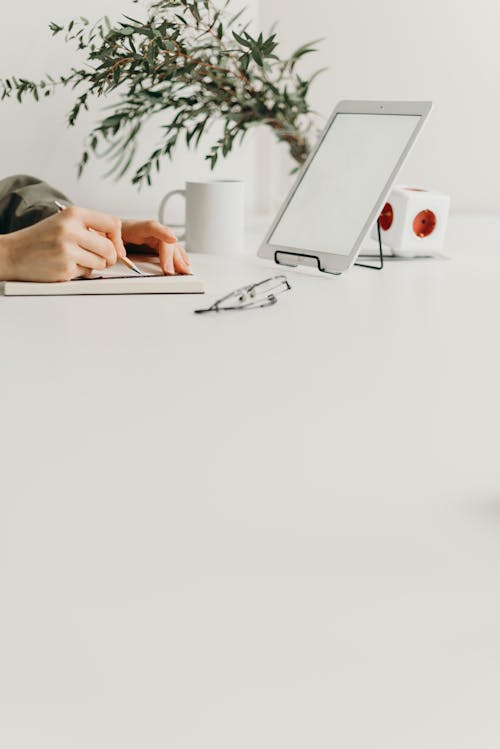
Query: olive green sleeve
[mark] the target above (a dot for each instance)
(26, 200)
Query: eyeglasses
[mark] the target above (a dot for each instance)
(262, 294)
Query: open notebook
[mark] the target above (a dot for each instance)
(115, 280)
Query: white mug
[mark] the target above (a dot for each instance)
(215, 216)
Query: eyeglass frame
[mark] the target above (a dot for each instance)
(268, 301)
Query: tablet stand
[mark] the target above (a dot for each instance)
(380, 255)
(379, 266)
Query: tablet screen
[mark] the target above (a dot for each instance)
(333, 200)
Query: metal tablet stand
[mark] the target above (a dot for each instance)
(379, 266)
(380, 253)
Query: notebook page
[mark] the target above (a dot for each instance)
(148, 265)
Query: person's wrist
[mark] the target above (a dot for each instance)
(5, 259)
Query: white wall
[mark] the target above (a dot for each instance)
(444, 50)
(35, 138)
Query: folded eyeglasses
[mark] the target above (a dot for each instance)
(262, 294)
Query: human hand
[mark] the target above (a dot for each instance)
(67, 245)
(152, 235)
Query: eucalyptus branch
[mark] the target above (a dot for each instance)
(190, 62)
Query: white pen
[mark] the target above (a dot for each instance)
(125, 260)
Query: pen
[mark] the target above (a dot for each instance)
(125, 260)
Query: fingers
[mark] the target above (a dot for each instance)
(166, 255)
(89, 260)
(159, 231)
(173, 259)
(185, 257)
(83, 272)
(103, 222)
(100, 245)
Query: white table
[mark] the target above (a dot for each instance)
(270, 529)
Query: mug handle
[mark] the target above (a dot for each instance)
(161, 212)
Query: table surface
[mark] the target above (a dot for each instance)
(277, 528)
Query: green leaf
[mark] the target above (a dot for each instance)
(55, 28)
(241, 40)
(245, 62)
(257, 56)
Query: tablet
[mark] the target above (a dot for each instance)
(344, 184)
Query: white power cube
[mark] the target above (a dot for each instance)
(413, 221)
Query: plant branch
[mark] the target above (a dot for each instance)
(188, 59)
